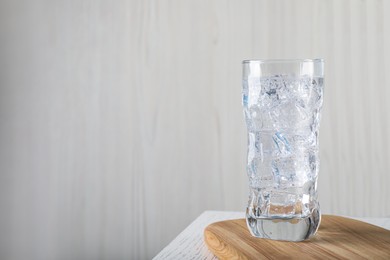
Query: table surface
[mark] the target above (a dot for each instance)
(189, 243)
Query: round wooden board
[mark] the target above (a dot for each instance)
(337, 238)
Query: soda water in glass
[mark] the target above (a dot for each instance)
(282, 102)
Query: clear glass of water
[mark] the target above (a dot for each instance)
(282, 102)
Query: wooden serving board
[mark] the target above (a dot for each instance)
(337, 238)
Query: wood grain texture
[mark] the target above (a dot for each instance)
(116, 116)
(337, 238)
(189, 244)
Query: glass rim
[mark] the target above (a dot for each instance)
(267, 61)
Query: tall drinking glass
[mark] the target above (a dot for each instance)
(282, 102)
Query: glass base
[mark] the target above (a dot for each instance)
(288, 229)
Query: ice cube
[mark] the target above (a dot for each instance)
(281, 144)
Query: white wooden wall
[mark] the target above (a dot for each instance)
(121, 121)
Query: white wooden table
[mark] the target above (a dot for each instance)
(189, 243)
